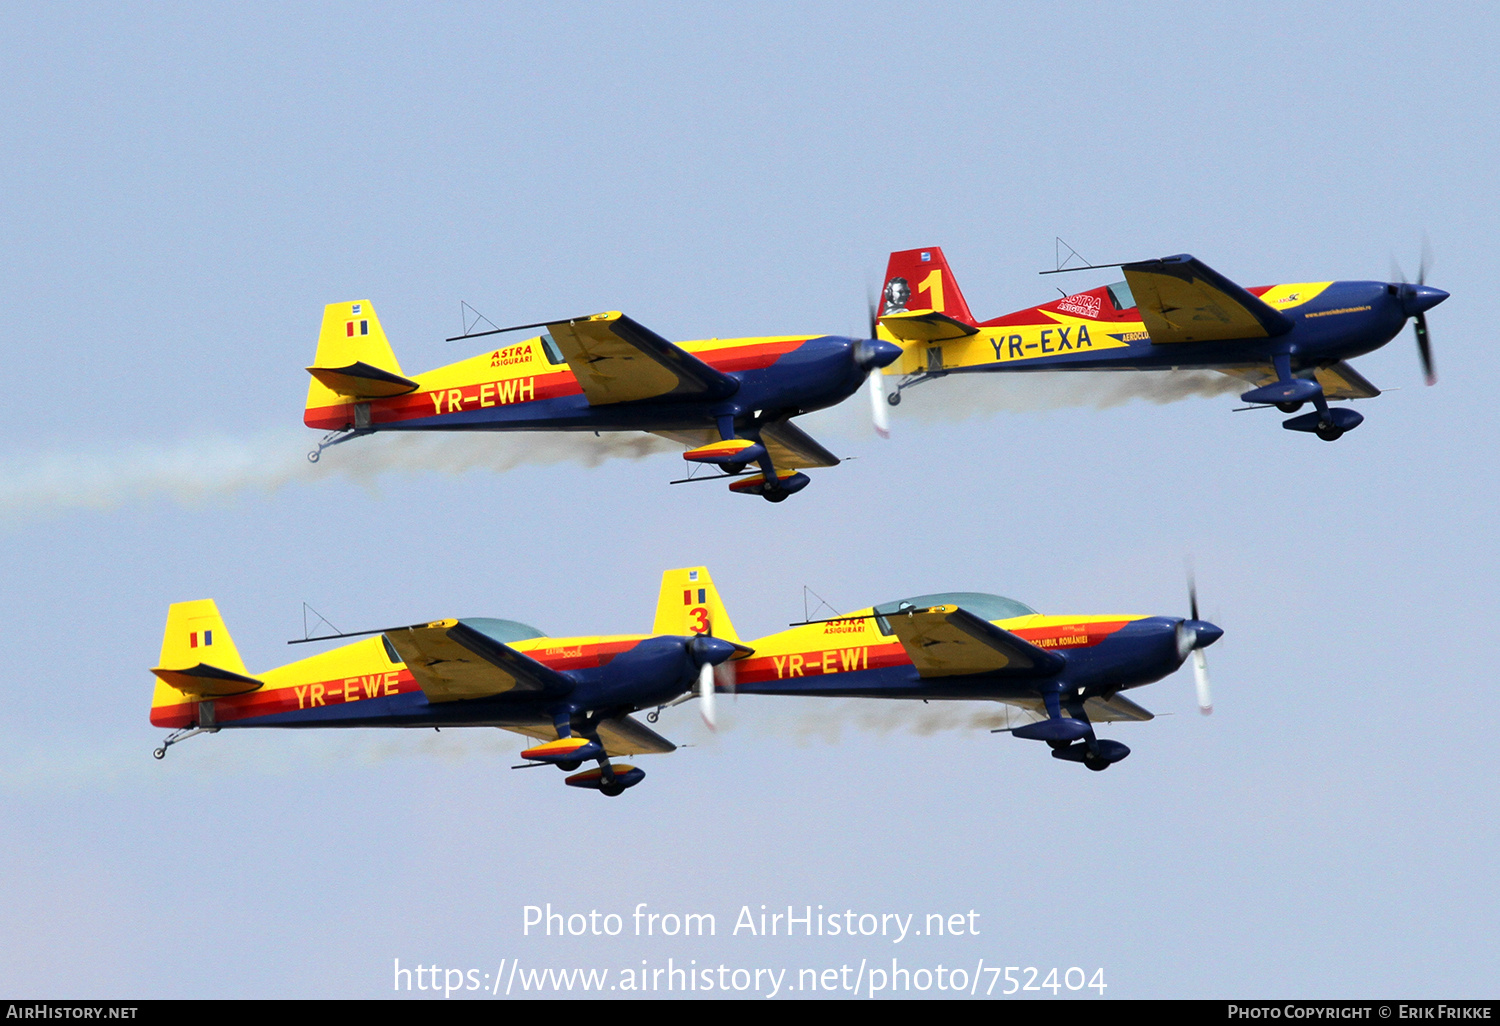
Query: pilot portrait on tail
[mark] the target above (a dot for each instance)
(897, 295)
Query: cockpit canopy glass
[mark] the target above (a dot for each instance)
(503, 631)
(986, 607)
(1119, 295)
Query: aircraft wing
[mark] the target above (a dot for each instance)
(789, 446)
(1115, 709)
(617, 360)
(453, 661)
(948, 641)
(1182, 299)
(626, 735)
(1340, 381)
(620, 735)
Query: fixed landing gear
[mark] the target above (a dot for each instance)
(1071, 738)
(1328, 424)
(611, 781)
(774, 495)
(1289, 407)
(1097, 753)
(334, 438)
(180, 735)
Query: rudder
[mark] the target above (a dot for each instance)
(354, 360)
(689, 604)
(920, 279)
(198, 659)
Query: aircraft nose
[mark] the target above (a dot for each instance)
(874, 352)
(1418, 299)
(1425, 298)
(710, 650)
(1206, 632)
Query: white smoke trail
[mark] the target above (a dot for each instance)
(76, 764)
(93, 765)
(959, 396)
(828, 722)
(198, 470)
(810, 721)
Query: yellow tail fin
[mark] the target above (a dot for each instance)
(196, 634)
(689, 604)
(354, 360)
(198, 657)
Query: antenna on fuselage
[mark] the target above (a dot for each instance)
(318, 618)
(470, 323)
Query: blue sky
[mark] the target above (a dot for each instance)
(183, 188)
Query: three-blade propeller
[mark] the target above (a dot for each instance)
(880, 414)
(713, 657)
(1416, 300)
(1193, 636)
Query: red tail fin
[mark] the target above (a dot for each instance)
(919, 279)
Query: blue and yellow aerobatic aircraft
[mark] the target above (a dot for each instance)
(1292, 342)
(730, 400)
(1063, 674)
(573, 694)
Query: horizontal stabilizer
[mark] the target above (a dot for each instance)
(208, 681)
(925, 326)
(359, 380)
